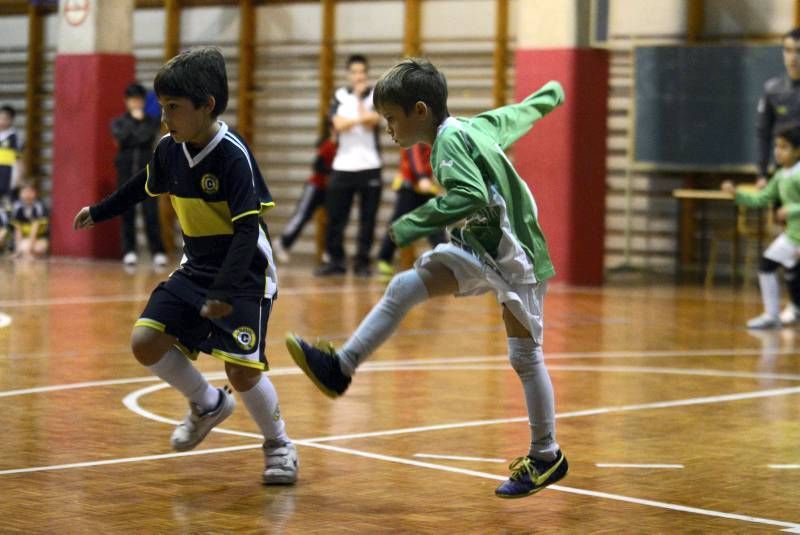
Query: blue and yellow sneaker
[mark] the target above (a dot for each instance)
(529, 476)
(385, 270)
(320, 364)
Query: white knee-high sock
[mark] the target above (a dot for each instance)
(174, 368)
(262, 404)
(527, 360)
(770, 293)
(404, 291)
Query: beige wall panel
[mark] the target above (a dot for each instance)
(647, 18)
(14, 31)
(369, 21)
(148, 27)
(208, 25)
(298, 22)
(548, 24)
(115, 26)
(101, 27)
(445, 19)
(749, 17)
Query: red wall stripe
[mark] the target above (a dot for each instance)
(89, 92)
(563, 159)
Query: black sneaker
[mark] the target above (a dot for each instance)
(362, 269)
(330, 268)
(321, 366)
(529, 476)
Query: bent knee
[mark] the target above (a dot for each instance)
(529, 363)
(242, 378)
(149, 345)
(514, 328)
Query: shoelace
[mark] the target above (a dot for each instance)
(521, 466)
(195, 413)
(325, 346)
(279, 458)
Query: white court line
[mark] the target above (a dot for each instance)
(722, 352)
(793, 527)
(70, 386)
(626, 465)
(132, 402)
(459, 458)
(574, 414)
(607, 369)
(122, 460)
(340, 289)
(410, 364)
(785, 466)
(127, 298)
(5, 320)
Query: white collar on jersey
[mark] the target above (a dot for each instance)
(223, 129)
(450, 121)
(8, 132)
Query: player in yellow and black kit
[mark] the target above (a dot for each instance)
(219, 299)
(10, 149)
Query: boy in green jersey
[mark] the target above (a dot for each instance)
(498, 246)
(784, 251)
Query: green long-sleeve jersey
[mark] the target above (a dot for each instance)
(784, 186)
(483, 188)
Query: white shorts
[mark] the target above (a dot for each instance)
(525, 301)
(783, 251)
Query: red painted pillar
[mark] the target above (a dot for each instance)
(563, 159)
(93, 66)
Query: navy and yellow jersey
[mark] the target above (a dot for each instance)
(23, 216)
(210, 191)
(10, 147)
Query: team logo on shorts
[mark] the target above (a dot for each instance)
(245, 337)
(209, 183)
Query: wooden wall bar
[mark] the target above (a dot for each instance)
(500, 52)
(412, 43)
(695, 20)
(247, 39)
(33, 113)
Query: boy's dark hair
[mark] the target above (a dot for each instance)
(135, 90)
(357, 58)
(196, 74)
(9, 109)
(410, 81)
(794, 33)
(790, 133)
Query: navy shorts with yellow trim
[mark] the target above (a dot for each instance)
(239, 338)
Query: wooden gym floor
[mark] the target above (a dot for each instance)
(673, 417)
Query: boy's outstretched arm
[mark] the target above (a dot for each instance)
(759, 199)
(509, 123)
(129, 194)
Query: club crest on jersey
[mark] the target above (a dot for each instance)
(245, 337)
(209, 183)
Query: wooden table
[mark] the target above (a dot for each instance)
(686, 232)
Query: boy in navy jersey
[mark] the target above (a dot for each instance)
(219, 299)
